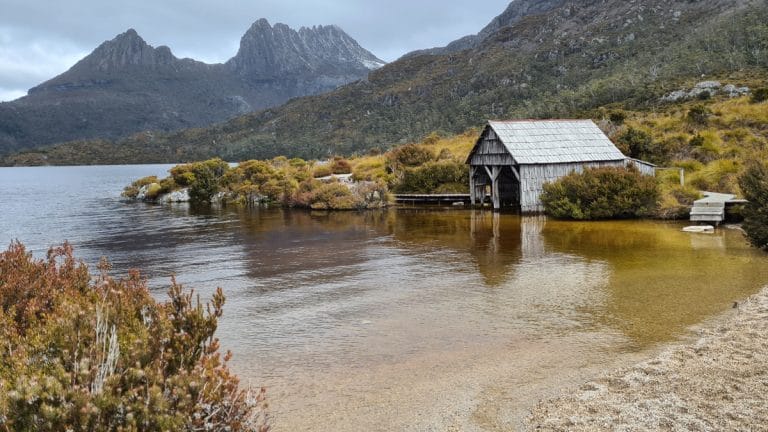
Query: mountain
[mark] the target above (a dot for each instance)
(562, 62)
(516, 11)
(126, 86)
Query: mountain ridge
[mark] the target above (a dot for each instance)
(580, 55)
(126, 86)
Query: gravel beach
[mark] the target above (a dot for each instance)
(716, 381)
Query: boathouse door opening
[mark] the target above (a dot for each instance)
(499, 182)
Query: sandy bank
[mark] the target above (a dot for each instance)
(718, 382)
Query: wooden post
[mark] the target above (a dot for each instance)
(472, 188)
(682, 177)
(493, 173)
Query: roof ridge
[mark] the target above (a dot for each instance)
(538, 120)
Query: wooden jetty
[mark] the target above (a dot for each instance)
(440, 199)
(712, 208)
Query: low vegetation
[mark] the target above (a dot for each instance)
(98, 353)
(601, 193)
(710, 139)
(280, 181)
(754, 183)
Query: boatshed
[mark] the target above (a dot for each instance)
(512, 160)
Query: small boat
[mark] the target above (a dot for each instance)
(700, 229)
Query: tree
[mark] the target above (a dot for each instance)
(754, 185)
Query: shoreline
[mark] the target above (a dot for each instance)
(715, 379)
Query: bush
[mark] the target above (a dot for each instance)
(676, 202)
(635, 142)
(759, 95)
(409, 155)
(617, 117)
(132, 191)
(601, 193)
(754, 185)
(698, 114)
(341, 166)
(322, 171)
(435, 177)
(205, 185)
(82, 353)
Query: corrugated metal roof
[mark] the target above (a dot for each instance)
(555, 141)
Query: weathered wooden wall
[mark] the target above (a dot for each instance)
(642, 166)
(490, 151)
(533, 178)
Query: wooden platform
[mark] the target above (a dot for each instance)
(711, 208)
(443, 199)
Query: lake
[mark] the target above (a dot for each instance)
(403, 319)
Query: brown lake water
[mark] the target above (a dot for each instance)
(404, 319)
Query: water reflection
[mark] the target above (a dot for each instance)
(310, 293)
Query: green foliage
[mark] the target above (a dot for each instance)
(718, 176)
(153, 191)
(101, 354)
(601, 193)
(204, 187)
(445, 176)
(409, 155)
(322, 171)
(754, 185)
(202, 178)
(759, 95)
(132, 190)
(636, 143)
(698, 115)
(617, 117)
(676, 201)
(639, 144)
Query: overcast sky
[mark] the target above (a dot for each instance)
(40, 39)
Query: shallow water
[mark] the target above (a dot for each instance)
(388, 319)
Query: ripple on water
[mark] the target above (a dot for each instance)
(407, 300)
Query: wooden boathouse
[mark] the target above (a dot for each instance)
(512, 160)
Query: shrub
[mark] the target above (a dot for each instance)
(432, 138)
(82, 353)
(759, 95)
(754, 185)
(635, 142)
(153, 191)
(205, 185)
(132, 190)
(675, 203)
(617, 117)
(698, 114)
(717, 176)
(341, 166)
(435, 177)
(409, 155)
(601, 193)
(322, 171)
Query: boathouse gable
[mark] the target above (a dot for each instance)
(513, 160)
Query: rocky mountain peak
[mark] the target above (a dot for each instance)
(268, 51)
(125, 50)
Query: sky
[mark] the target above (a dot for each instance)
(40, 39)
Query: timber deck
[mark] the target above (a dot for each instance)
(711, 208)
(445, 199)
